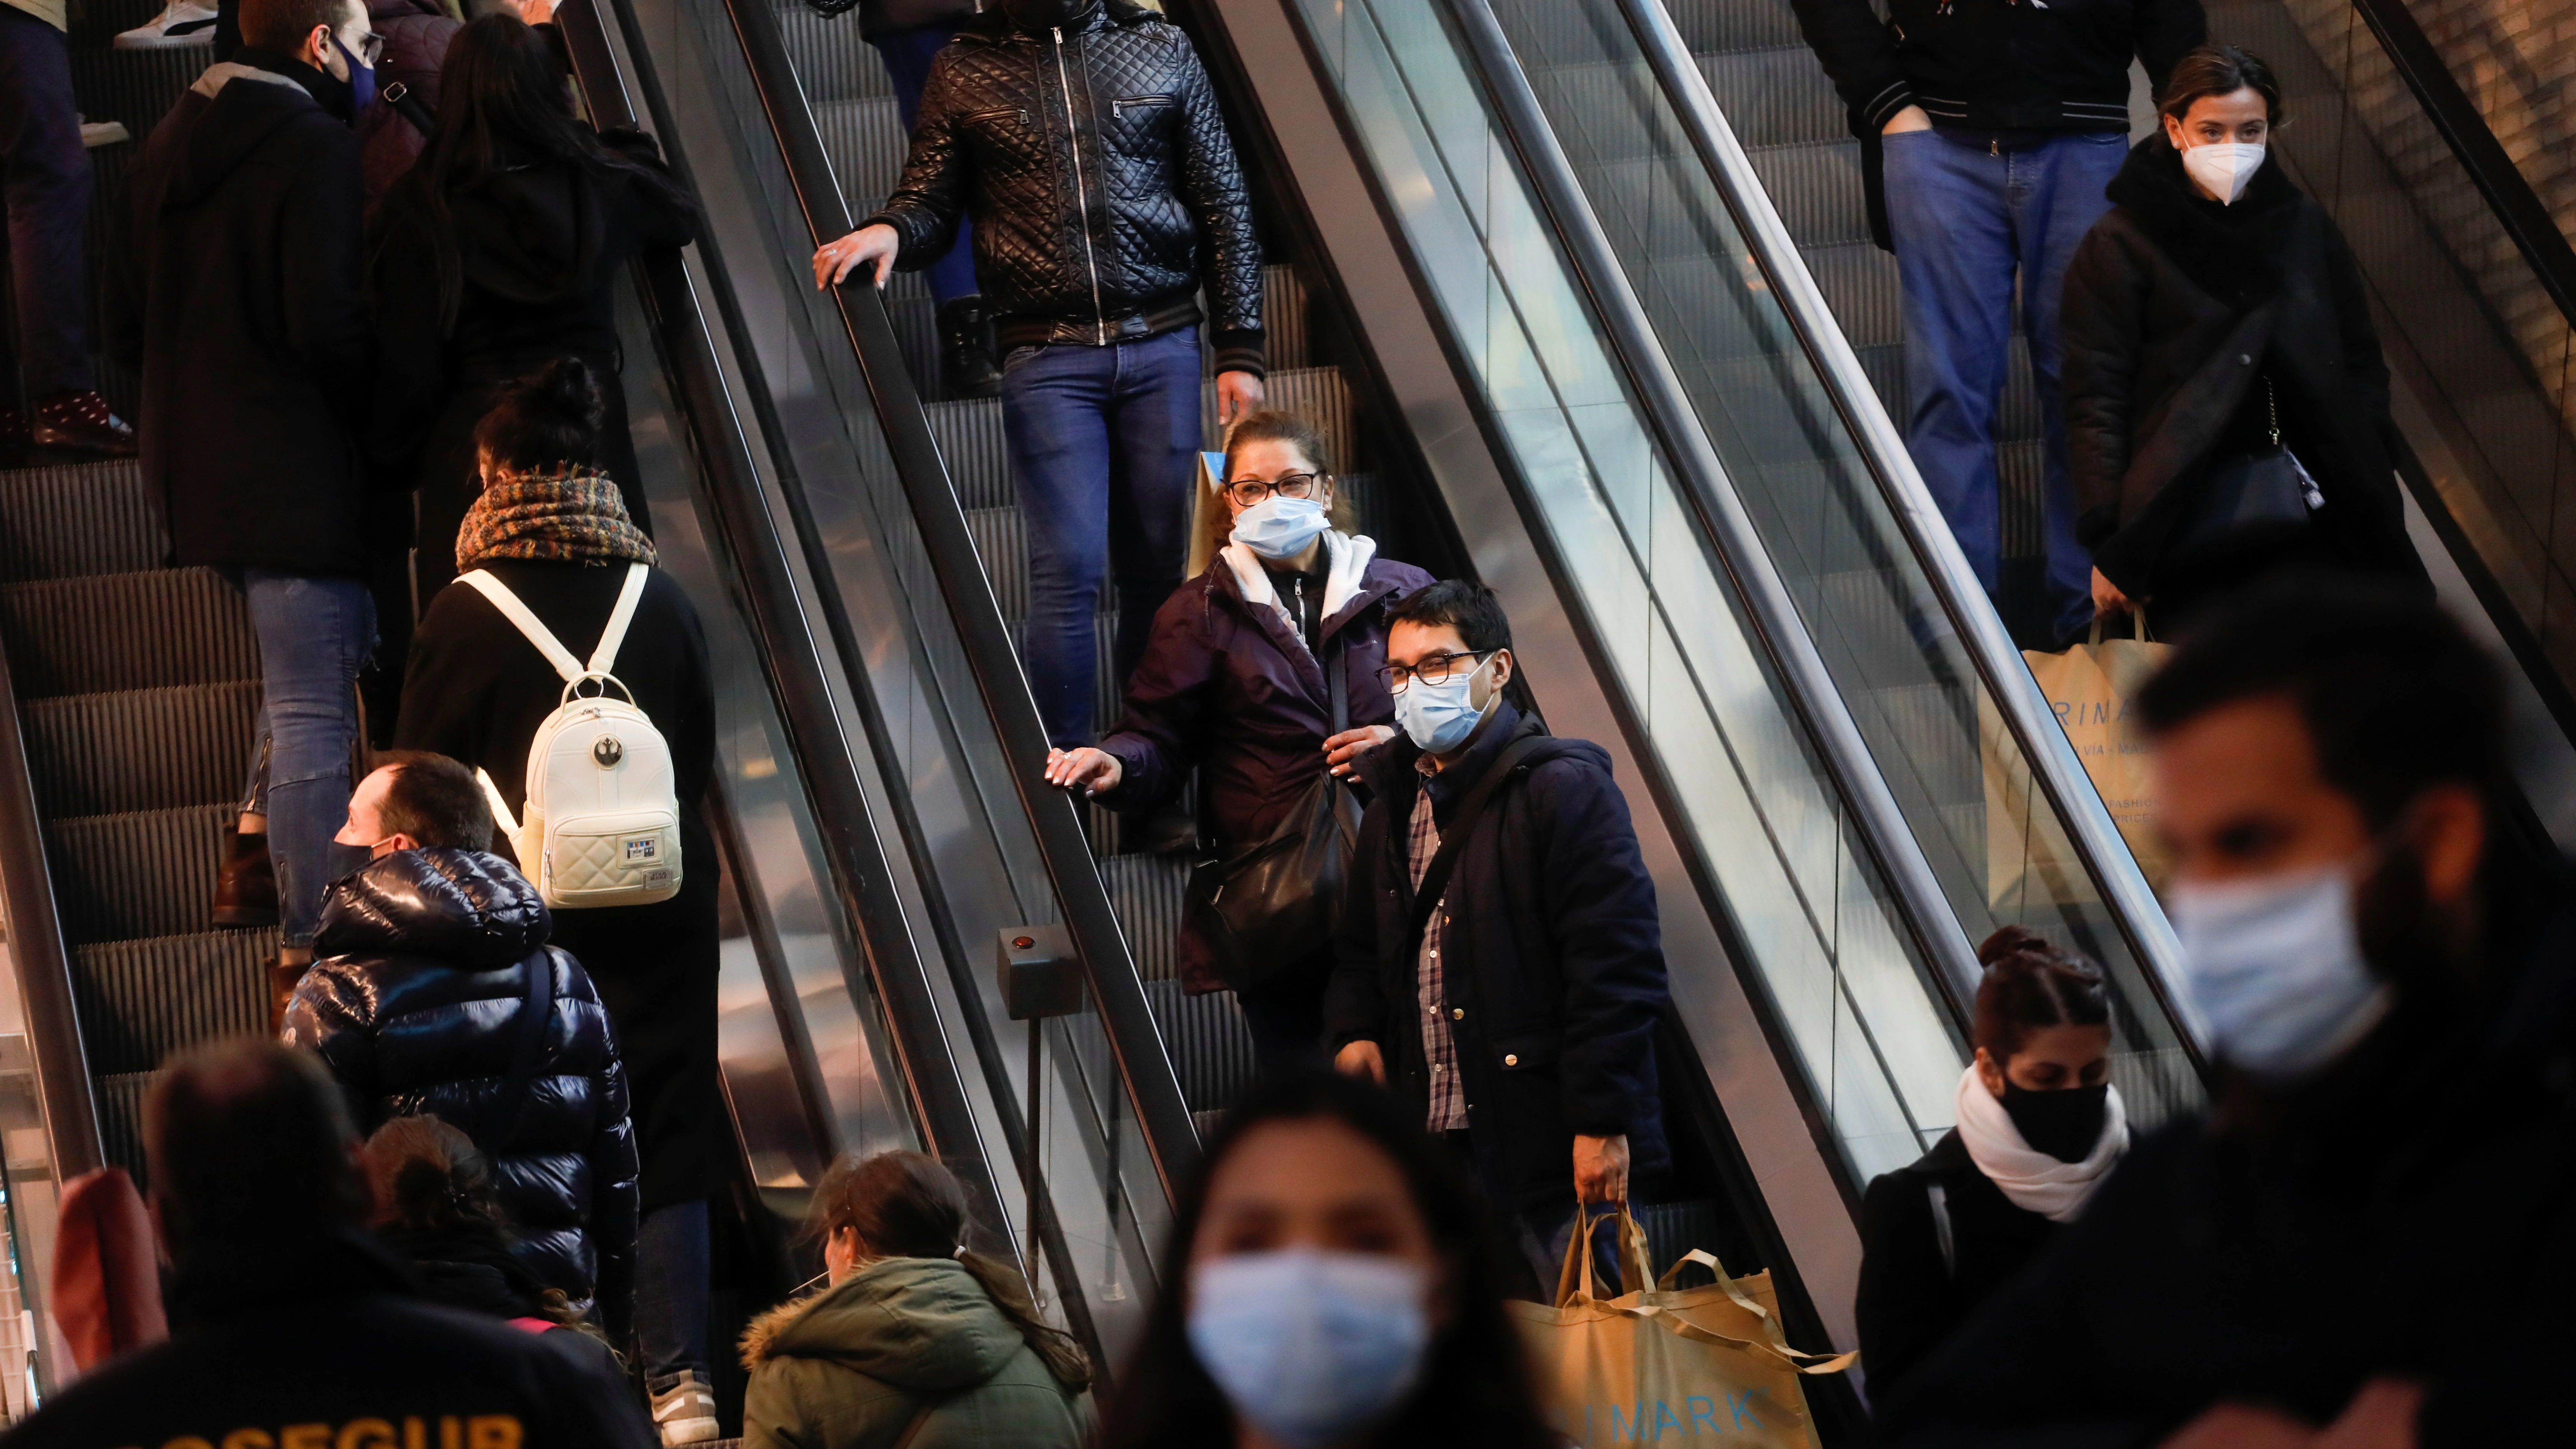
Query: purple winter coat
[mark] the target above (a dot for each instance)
(1227, 687)
(416, 34)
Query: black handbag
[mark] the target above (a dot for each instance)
(1277, 902)
(2265, 487)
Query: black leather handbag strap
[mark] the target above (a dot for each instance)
(536, 1012)
(1435, 877)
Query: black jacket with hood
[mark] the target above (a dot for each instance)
(1102, 184)
(2175, 312)
(1552, 956)
(1919, 1281)
(413, 1001)
(245, 308)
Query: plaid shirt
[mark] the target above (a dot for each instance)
(1439, 1049)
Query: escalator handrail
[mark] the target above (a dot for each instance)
(41, 955)
(2025, 711)
(2517, 208)
(793, 665)
(1772, 611)
(1143, 1064)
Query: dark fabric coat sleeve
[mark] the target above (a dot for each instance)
(929, 200)
(665, 217)
(1904, 1284)
(1851, 42)
(446, 682)
(2365, 366)
(1157, 740)
(2101, 324)
(329, 326)
(411, 353)
(2167, 30)
(1599, 905)
(614, 1173)
(1212, 187)
(1354, 998)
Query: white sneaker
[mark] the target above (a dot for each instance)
(183, 22)
(686, 1411)
(103, 133)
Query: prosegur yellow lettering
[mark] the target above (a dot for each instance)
(477, 1431)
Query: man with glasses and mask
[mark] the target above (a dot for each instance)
(1084, 140)
(246, 311)
(2371, 1238)
(1501, 961)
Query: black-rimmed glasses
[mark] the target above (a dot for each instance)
(1438, 669)
(1248, 491)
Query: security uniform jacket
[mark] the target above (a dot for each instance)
(1225, 686)
(2176, 310)
(1102, 184)
(315, 1336)
(1552, 959)
(414, 1001)
(246, 309)
(1922, 1273)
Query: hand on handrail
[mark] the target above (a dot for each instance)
(869, 245)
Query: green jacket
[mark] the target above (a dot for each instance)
(852, 1366)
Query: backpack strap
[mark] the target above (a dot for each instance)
(501, 815)
(603, 660)
(536, 1013)
(530, 625)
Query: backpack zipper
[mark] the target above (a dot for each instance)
(1081, 191)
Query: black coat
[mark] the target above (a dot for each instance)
(323, 1328)
(2175, 309)
(246, 310)
(414, 1000)
(1117, 252)
(478, 1273)
(1913, 1296)
(544, 248)
(1225, 687)
(1553, 952)
(2412, 1212)
(476, 691)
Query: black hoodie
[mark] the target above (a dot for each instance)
(246, 311)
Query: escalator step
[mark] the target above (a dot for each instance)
(832, 62)
(1320, 393)
(135, 86)
(1712, 25)
(1859, 283)
(1674, 1228)
(137, 875)
(1210, 1047)
(142, 1000)
(1004, 549)
(141, 749)
(1146, 890)
(978, 455)
(73, 522)
(866, 141)
(1775, 96)
(125, 631)
(1816, 187)
(120, 1121)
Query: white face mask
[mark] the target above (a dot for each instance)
(2224, 167)
(1310, 1347)
(2275, 971)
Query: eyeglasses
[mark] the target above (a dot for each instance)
(1248, 491)
(371, 48)
(1435, 670)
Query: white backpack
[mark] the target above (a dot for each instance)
(602, 821)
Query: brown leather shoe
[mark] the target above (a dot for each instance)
(282, 978)
(246, 883)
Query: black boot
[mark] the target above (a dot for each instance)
(966, 363)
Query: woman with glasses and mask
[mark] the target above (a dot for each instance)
(1238, 682)
(2039, 1128)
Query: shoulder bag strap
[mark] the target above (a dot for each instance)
(920, 1417)
(603, 660)
(1435, 877)
(1937, 1197)
(536, 1013)
(526, 622)
(1338, 684)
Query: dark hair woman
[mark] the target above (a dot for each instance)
(1237, 682)
(552, 529)
(503, 247)
(1338, 1287)
(2039, 1128)
(919, 1339)
(2212, 319)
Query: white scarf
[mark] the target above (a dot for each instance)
(2034, 1181)
(1348, 555)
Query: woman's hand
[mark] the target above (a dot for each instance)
(868, 246)
(2107, 598)
(1094, 772)
(1342, 752)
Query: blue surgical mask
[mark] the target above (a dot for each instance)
(1310, 1347)
(1280, 527)
(362, 81)
(1439, 717)
(2275, 969)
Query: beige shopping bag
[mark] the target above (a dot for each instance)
(1658, 1363)
(2089, 687)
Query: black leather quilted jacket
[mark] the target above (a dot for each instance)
(414, 1000)
(1102, 184)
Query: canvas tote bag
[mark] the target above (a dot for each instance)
(2089, 688)
(1658, 1363)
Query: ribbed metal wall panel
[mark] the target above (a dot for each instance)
(149, 873)
(978, 454)
(142, 1000)
(126, 631)
(141, 749)
(1002, 544)
(832, 62)
(77, 521)
(1146, 889)
(1209, 1045)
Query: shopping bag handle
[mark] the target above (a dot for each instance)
(1576, 1272)
(2137, 626)
(1794, 1359)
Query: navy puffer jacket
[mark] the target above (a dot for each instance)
(413, 1001)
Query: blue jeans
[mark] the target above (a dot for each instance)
(671, 1265)
(314, 635)
(907, 55)
(45, 183)
(1967, 217)
(1104, 449)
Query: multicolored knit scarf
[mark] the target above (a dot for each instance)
(563, 514)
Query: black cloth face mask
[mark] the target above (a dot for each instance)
(2064, 1124)
(1037, 17)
